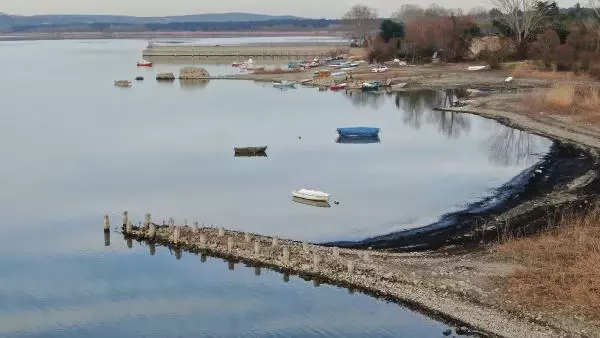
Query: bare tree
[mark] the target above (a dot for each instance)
(521, 16)
(361, 22)
(595, 5)
(409, 12)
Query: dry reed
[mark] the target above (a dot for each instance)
(560, 268)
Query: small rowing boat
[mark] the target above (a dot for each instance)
(123, 83)
(320, 204)
(311, 195)
(358, 132)
(144, 63)
(249, 151)
(284, 84)
(339, 86)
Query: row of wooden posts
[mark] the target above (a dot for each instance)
(151, 228)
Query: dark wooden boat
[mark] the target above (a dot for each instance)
(250, 151)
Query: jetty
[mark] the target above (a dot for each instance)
(236, 52)
(378, 273)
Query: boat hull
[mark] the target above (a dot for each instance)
(310, 197)
(250, 151)
(145, 64)
(357, 140)
(319, 204)
(358, 132)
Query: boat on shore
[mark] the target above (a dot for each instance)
(319, 204)
(370, 86)
(339, 86)
(356, 132)
(311, 195)
(250, 151)
(144, 63)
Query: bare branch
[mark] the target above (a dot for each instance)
(361, 21)
(522, 17)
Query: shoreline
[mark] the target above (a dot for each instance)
(358, 269)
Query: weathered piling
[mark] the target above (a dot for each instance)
(230, 244)
(316, 261)
(286, 254)
(275, 242)
(129, 228)
(203, 241)
(350, 267)
(257, 248)
(176, 233)
(152, 231)
(125, 219)
(147, 221)
(106, 224)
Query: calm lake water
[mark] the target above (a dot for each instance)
(74, 148)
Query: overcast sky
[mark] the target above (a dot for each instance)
(308, 8)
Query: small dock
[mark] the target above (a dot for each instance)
(237, 53)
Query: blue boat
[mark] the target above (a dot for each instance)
(358, 132)
(370, 86)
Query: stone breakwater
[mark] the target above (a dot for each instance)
(366, 270)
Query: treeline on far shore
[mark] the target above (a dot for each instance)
(279, 24)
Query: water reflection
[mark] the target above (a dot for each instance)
(107, 239)
(357, 140)
(512, 147)
(364, 99)
(193, 84)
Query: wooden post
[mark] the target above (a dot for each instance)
(275, 242)
(316, 261)
(305, 247)
(147, 221)
(257, 248)
(129, 228)
(106, 224)
(286, 254)
(350, 267)
(230, 244)
(196, 227)
(152, 231)
(176, 235)
(336, 252)
(125, 218)
(202, 240)
(221, 232)
(247, 237)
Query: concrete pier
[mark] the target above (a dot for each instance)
(239, 52)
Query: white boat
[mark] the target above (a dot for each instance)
(475, 68)
(311, 195)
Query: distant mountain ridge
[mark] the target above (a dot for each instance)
(66, 19)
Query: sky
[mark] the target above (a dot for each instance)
(305, 8)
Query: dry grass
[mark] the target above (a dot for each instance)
(561, 268)
(578, 100)
(545, 75)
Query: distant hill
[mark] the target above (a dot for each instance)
(198, 22)
(132, 20)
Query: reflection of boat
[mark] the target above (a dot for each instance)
(144, 63)
(358, 132)
(250, 155)
(312, 195)
(284, 84)
(320, 204)
(250, 151)
(357, 140)
(123, 83)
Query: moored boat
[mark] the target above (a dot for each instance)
(373, 85)
(144, 63)
(358, 132)
(249, 151)
(311, 195)
(123, 83)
